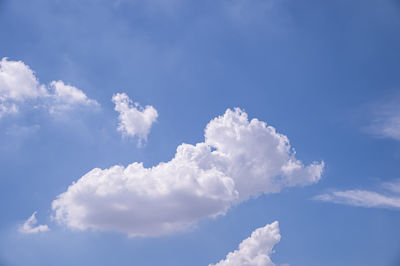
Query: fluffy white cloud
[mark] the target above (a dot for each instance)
(239, 159)
(30, 227)
(67, 96)
(133, 119)
(255, 250)
(365, 198)
(18, 84)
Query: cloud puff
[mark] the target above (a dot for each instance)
(29, 226)
(365, 198)
(134, 120)
(255, 250)
(67, 96)
(18, 84)
(239, 159)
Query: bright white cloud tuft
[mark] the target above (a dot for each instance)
(239, 159)
(67, 96)
(30, 227)
(134, 120)
(18, 84)
(365, 198)
(255, 250)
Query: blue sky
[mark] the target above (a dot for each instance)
(325, 74)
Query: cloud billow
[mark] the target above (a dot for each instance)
(19, 85)
(255, 250)
(134, 120)
(239, 159)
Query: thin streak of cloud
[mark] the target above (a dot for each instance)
(365, 198)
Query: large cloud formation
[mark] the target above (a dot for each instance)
(238, 159)
(134, 120)
(255, 250)
(18, 85)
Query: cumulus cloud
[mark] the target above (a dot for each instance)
(134, 120)
(30, 227)
(18, 85)
(364, 198)
(255, 250)
(67, 96)
(239, 159)
(18, 82)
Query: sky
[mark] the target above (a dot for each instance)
(224, 132)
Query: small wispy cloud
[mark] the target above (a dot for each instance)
(388, 198)
(8, 108)
(30, 227)
(134, 120)
(386, 118)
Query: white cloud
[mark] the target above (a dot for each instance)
(365, 198)
(30, 227)
(8, 108)
(18, 85)
(386, 121)
(392, 186)
(18, 82)
(255, 250)
(67, 97)
(134, 120)
(239, 159)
